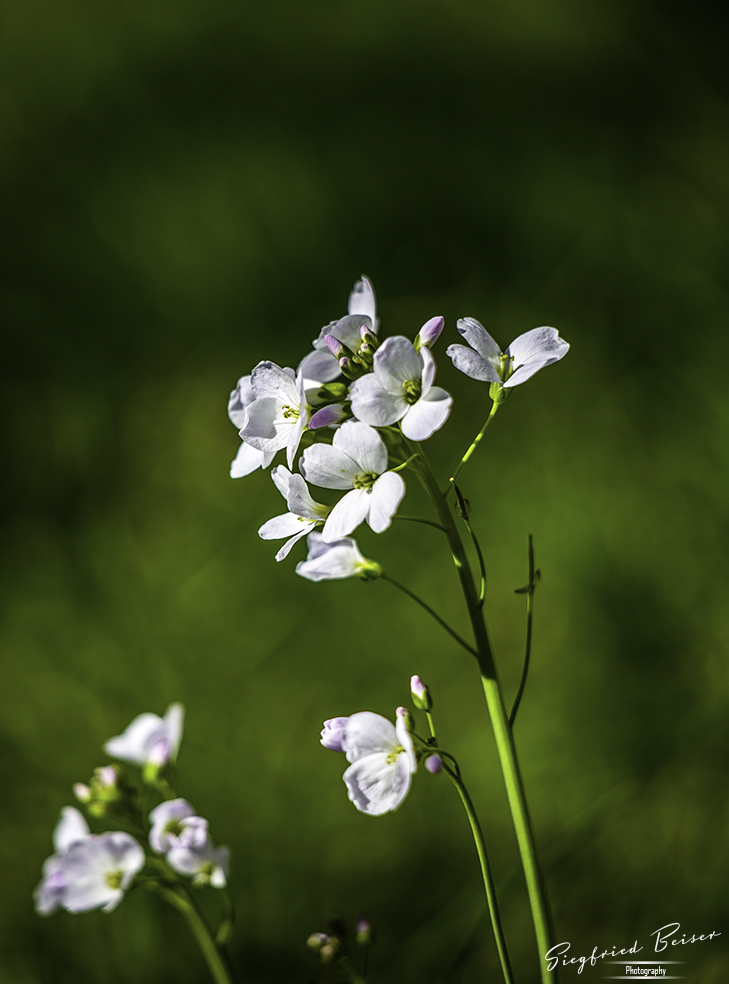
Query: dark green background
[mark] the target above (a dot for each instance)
(189, 188)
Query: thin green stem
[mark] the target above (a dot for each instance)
(429, 610)
(474, 445)
(179, 898)
(502, 731)
(425, 522)
(529, 592)
(403, 464)
(488, 880)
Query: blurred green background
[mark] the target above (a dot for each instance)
(189, 188)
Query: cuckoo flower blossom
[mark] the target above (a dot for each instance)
(167, 821)
(279, 414)
(304, 513)
(71, 829)
(526, 355)
(333, 561)
(356, 460)
(248, 458)
(193, 854)
(149, 740)
(401, 388)
(383, 760)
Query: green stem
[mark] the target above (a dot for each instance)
(474, 445)
(530, 603)
(179, 898)
(488, 880)
(497, 710)
(463, 506)
(425, 522)
(429, 610)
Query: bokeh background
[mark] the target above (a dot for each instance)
(189, 188)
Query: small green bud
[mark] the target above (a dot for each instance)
(332, 392)
(370, 571)
(420, 694)
(316, 941)
(363, 931)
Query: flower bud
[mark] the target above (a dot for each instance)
(363, 931)
(329, 952)
(420, 694)
(331, 735)
(430, 333)
(335, 413)
(332, 392)
(370, 571)
(335, 347)
(498, 394)
(82, 792)
(316, 941)
(434, 763)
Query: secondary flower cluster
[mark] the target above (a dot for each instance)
(93, 871)
(350, 385)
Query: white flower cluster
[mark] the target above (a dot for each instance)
(350, 385)
(93, 871)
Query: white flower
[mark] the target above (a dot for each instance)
(401, 388)
(149, 739)
(70, 829)
(194, 854)
(383, 761)
(98, 870)
(356, 460)
(332, 561)
(167, 821)
(304, 513)
(526, 355)
(279, 414)
(320, 364)
(248, 458)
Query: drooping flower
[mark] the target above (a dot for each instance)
(70, 829)
(304, 513)
(279, 414)
(356, 460)
(99, 869)
(248, 458)
(321, 364)
(332, 561)
(149, 739)
(383, 761)
(401, 388)
(526, 355)
(193, 854)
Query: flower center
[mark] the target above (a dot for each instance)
(506, 368)
(412, 388)
(366, 480)
(290, 413)
(392, 756)
(173, 827)
(114, 879)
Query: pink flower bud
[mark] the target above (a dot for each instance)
(430, 332)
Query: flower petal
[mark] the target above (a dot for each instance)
(479, 339)
(287, 524)
(346, 516)
(472, 364)
(374, 404)
(246, 461)
(286, 548)
(377, 786)
(533, 350)
(386, 495)
(270, 380)
(366, 733)
(362, 301)
(333, 414)
(363, 444)
(70, 829)
(328, 467)
(428, 369)
(320, 366)
(428, 415)
(396, 362)
(331, 561)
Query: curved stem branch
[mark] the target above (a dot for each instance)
(429, 610)
(488, 880)
(425, 522)
(474, 445)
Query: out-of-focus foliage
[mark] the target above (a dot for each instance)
(190, 187)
